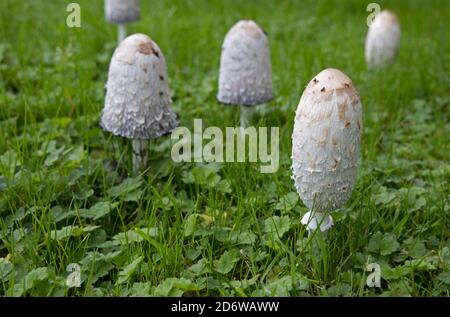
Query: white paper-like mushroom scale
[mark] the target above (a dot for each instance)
(326, 141)
(138, 103)
(383, 40)
(122, 11)
(245, 76)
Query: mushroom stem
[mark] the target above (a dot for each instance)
(314, 220)
(140, 155)
(246, 115)
(122, 30)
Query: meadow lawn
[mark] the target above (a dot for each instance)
(67, 195)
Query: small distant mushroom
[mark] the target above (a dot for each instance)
(121, 12)
(326, 145)
(245, 76)
(138, 102)
(383, 40)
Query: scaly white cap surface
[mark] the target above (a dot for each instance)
(245, 76)
(383, 40)
(326, 144)
(137, 104)
(122, 11)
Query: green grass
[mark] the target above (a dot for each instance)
(195, 230)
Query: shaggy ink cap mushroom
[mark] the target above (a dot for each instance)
(383, 40)
(245, 76)
(122, 11)
(326, 145)
(138, 102)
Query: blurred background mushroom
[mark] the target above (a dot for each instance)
(245, 76)
(383, 40)
(121, 12)
(326, 145)
(138, 102)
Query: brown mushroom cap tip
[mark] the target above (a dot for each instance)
(388, 16)
(136, 43)
(250, 28)
(329, 80)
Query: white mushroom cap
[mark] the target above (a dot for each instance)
(326, 142)
(137, 104)
(122, 11)
(245, 69)
(383, 40)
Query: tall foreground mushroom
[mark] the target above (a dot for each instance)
(138, 103)
(121, 12)
(325, 145)
(245, 76)
(383, 40)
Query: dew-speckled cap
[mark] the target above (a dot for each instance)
(138, 103)
(245, 76)
(122, 11)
